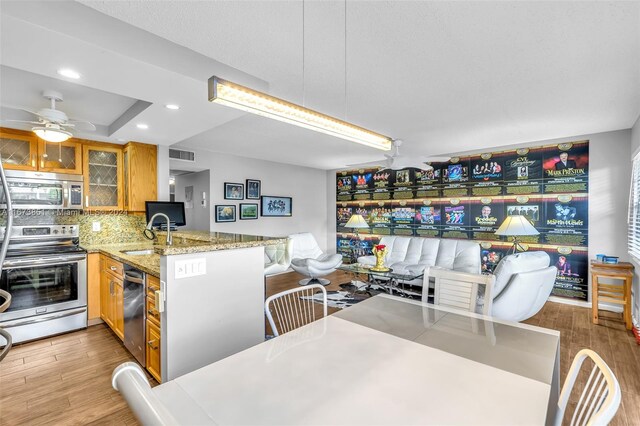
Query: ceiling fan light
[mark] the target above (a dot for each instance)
(243, 98)
(51, 135)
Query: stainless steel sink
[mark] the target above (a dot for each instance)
(138, 252)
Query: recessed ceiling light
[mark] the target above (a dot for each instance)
(172, 106)
(69, 73)
(142, 126)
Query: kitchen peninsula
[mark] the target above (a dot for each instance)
(205, 295)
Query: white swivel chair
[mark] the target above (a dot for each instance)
(600, 398)
(308, 259)
(294, 308)
(277, 258)
(523, 284)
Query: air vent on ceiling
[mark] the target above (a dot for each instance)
(179, 154)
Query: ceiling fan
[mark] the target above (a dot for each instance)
(397, 161)
(53, 124)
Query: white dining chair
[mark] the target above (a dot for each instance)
(4, 333)
(600, 398)
(294, 308)
(459, 290)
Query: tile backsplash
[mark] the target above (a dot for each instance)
(114, 228)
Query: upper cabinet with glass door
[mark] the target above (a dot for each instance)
(102, 166)
(60, 157)
(23, 150)
(18, 149)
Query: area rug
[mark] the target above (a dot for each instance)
(348, 296)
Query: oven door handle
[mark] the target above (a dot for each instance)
(42, 318)
(45, 260)
(17, 264)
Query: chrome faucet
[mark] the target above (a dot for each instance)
(150, 226)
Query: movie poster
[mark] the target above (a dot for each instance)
(428, 219)
(470, 197)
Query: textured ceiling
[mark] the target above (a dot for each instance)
(443, 76)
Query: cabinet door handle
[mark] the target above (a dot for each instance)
(150, 344)
(111, 288)
(152, 312)
(113, 268)
(86, 201)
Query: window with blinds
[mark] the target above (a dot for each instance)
(634, 210)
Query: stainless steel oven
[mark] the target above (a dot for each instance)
(36, 190)
(45, 272)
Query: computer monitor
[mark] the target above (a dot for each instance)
(173, 209)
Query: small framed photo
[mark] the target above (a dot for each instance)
(233, 191)
(275, 206)
(248, 211)
(253, 189)
(225, 213)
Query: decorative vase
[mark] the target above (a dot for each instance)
(379, 252)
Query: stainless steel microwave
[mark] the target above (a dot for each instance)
(37, 190)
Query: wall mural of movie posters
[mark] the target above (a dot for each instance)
(469, 197)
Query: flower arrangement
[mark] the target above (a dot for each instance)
(379, 251)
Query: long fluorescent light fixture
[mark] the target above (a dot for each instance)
(234, 95)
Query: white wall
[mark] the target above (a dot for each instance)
(635, 150)
(163, 173)
(609, 180)
(197, 217)
(305, 185)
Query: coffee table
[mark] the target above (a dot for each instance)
(390, 281)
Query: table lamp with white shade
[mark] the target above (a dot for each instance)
(516, 226)
(356, 222)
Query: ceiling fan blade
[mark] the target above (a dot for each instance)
(81, 124)
(30, 112)
(24, 121)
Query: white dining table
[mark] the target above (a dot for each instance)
(384, 361)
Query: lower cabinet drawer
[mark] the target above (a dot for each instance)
(152, 313)
(153, 350)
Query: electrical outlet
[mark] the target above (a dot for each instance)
(190, 268)
(96, 227)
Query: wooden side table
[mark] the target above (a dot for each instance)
(611, 293)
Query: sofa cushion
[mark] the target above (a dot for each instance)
(516, 263)
(459, 255)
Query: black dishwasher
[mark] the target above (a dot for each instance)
(134, 313)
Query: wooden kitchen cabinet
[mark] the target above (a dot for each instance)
(112, 296)
(93, 288)
(106, 312)
(22, 150)
(18, 149)
(140, 175)
(153, 355)
(103, 181)
(154, 347)
(63, 157)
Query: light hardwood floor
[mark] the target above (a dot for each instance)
(67, 379)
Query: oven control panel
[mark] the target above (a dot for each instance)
(42, 231)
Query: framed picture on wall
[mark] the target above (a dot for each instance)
(275, 206)
(248, 211)
(233, 191)
(253, 189)
(225, 213)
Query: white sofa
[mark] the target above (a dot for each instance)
(414, 254)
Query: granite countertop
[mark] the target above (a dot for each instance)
(149, 263)
(184, 242)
